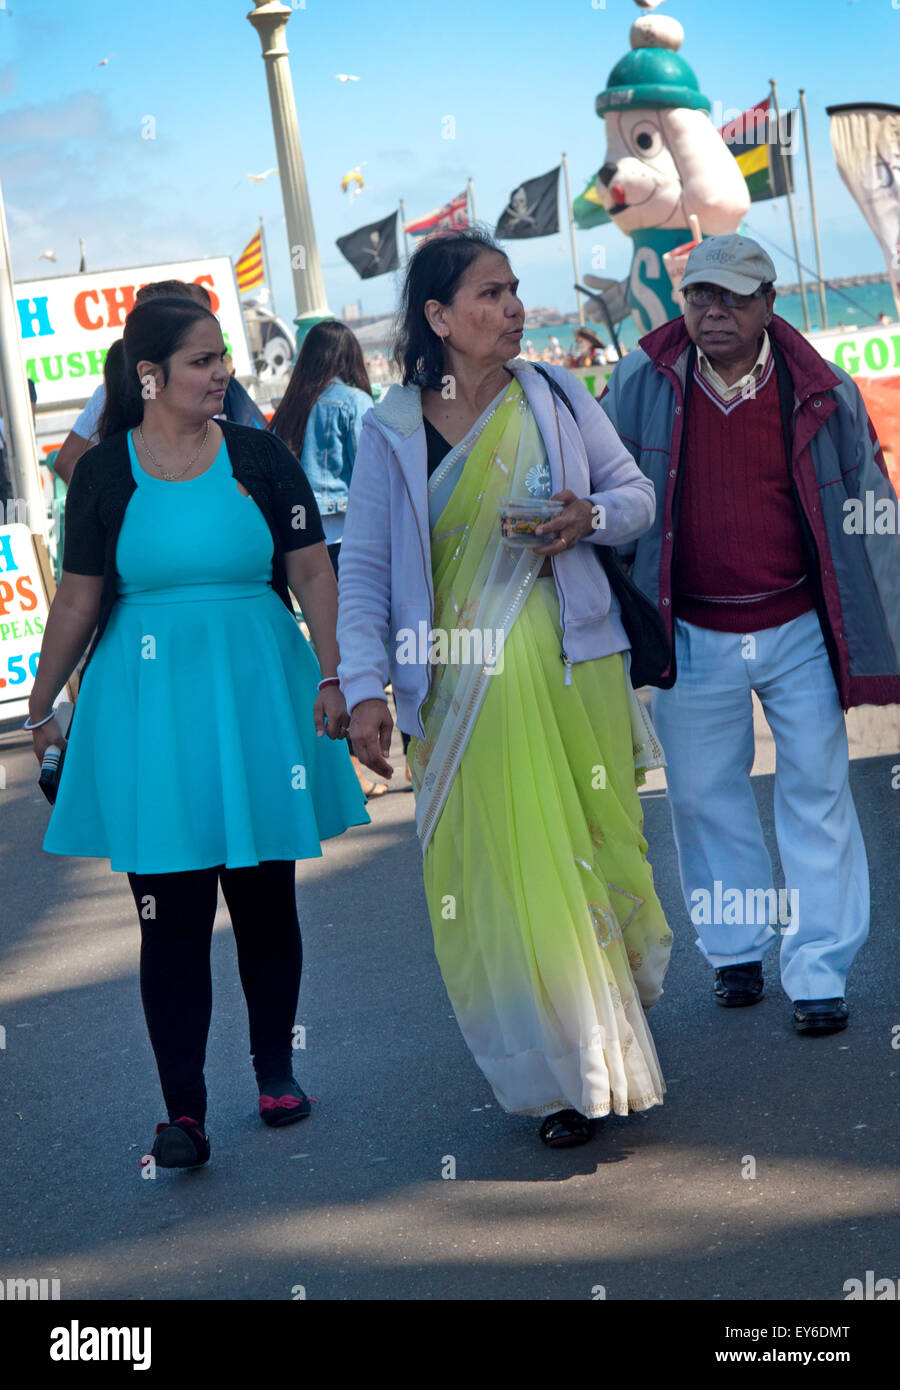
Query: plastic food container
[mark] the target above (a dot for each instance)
(521, 516)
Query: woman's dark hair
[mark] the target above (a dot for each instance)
(154, 329)
(115, 384)
(329, 350)
(434, 272)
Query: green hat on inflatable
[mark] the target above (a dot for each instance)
(652, 76)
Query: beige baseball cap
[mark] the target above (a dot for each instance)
(734, 262)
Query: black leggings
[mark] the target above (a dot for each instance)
(176, 913)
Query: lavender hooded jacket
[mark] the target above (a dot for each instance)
(385, 565)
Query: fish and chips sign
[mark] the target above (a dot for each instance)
(24, 604)
(67, 323)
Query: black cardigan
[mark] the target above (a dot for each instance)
(102, 485)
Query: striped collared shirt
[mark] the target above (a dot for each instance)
(730, 393)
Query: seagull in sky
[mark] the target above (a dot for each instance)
(104, 62)
(260, 178)
(345, 77)
(47, 256)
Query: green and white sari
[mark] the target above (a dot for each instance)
(548, 931)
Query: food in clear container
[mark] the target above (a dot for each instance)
(521, 516)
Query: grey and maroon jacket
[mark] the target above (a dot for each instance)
(834, 455)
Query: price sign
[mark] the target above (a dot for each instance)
(23, 614)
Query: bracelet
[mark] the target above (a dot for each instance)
(329, 680)
(29, 726)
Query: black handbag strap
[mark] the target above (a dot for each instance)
(643, 623)
(603, 551)
(556, 389)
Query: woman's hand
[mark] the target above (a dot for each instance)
(575, 521)
(370, 732)
(46, 735)
(330, 713)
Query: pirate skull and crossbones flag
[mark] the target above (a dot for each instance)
(372, 250)
(532, 210)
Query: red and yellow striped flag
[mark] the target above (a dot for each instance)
(249, 266)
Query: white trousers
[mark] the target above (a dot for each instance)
(705, 724)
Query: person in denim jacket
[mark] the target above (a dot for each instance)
(320, 420)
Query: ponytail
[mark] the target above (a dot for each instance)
(124, 406)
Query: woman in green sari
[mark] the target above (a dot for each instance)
(510, 667)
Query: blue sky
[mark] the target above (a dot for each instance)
(518, 76)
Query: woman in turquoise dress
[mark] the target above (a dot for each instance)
(196, 754)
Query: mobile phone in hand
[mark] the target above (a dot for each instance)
(51, 770)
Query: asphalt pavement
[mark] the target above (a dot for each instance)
(770, 1172)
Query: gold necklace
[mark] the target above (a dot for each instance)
(174, 477)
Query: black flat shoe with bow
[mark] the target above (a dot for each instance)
(180, 1143)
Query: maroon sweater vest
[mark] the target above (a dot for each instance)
(739, 560)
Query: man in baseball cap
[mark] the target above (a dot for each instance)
(753, 441)
(734, 262)
(722, 274)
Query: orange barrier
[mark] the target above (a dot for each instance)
(882, 397)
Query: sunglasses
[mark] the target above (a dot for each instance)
(702, 296)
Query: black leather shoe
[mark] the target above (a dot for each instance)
(738, 985)
(820, 1015)
(565, 1129)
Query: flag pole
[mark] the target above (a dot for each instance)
(609, 323)
(266, 270)
(812, 208)
(790, 200)
(403, 225)
(580, 302)
(472, 202)
(20, 441)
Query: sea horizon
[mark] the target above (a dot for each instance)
(852, 308)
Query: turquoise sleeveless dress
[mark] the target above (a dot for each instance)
(193, 743)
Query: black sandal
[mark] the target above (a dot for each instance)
(565, 1129)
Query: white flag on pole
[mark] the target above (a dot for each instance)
(866, 144)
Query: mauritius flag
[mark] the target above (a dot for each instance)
(588, 209)
(763, 152)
